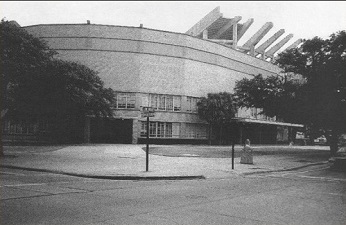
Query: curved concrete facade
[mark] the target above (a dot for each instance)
(143, 60)
(148, 63)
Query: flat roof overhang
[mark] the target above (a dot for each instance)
(247, 120)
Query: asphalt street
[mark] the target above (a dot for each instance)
(311, 195)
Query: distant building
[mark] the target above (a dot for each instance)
(169, 72)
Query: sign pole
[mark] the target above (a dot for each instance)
(233, 143)
(233, 154)
(147, 150)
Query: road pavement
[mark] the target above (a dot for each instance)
(305, 196)
(129, 161)
(302, 190)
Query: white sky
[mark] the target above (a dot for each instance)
(304, 19)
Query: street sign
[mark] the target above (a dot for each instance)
(147, 112)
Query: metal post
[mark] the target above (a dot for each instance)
(147, 150)
(233, 130)
(233, 154)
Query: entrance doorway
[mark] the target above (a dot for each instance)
(111, 131)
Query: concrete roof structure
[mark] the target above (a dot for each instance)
(228, 31)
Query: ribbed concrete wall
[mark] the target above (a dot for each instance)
(143, 60)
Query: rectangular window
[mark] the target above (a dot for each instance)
(176, 130)
(121, 100)
(161, 129)
(157, 129)
(144, 129)
(165, 102)
(18, 127)
(152, 129)
(125, 100)
(131, 101)
(192, 104)
(162, 102)
(145, 101)
(168, 130)
(169, 103)
(177, 103)
(153, 101)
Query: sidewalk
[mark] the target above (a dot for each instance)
(116, 161)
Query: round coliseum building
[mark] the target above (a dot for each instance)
(169, 72)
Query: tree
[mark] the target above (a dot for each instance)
(276, 95)
(318, 99)
(22, 56)
(36, 85)
(217, 109)
(63, 88)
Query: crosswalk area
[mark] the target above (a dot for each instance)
(319, 172)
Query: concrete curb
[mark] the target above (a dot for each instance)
(288, 169)
(109, 177)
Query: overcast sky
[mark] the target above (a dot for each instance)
(302, 19)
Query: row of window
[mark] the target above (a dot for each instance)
(173, 103)
(23, 126)
(157, 129)
(156, 101)
(125, 100)
(254, 113)
(165, 102)
(173, 130)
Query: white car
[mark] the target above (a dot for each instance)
(320, 141)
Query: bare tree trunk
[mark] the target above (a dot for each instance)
(1, 151)
(220, 139)
(333, 142)
(210, 132)
(3, 113)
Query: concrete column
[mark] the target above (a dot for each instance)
(235, 35)
(205, 34)
(136, 130)
(252, 50)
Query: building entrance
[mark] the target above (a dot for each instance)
(111, 131)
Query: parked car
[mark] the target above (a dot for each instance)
(320, 140)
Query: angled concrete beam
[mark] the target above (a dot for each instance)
(245, 28)
(275, 48)
(204, 23)
(294, 45)
(223, 41)
(205, 34)
(232, 22)
(268, 42)
(259, 35)
(243, 49)
(235, 35)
